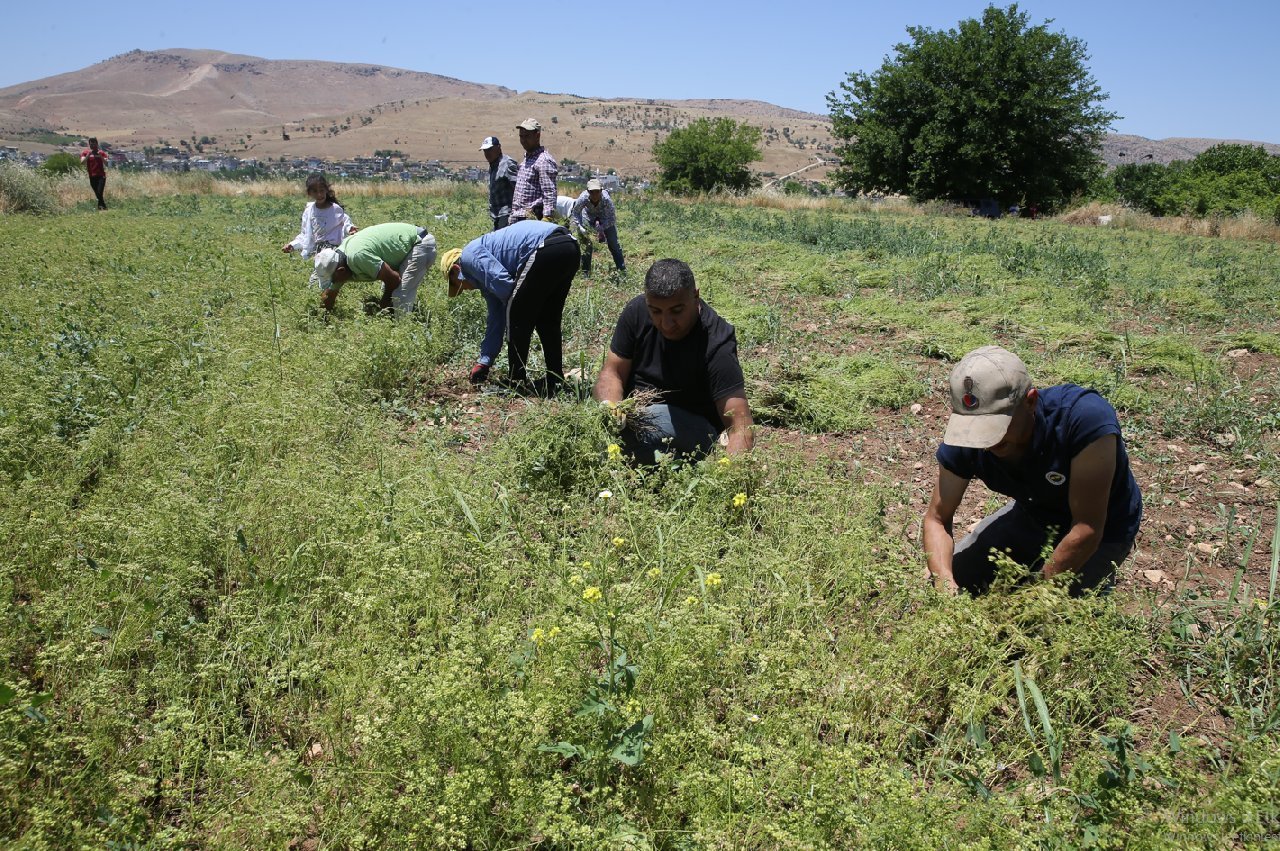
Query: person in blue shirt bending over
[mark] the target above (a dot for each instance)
(1057, 452)
(524, 271)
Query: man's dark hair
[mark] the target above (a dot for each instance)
(93, 141)
(666, 278)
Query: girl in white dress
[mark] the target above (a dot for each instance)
(324, 223)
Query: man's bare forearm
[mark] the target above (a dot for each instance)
(1076, 548)
(608, 388)
(939, 547)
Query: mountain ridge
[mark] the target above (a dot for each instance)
(271, 108)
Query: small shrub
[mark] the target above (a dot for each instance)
(1173, 356)
(23, 190)
(558, 449)
(835, 394)
(61, 163)
(1255, 341)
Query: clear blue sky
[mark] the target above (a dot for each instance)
(1173, 68)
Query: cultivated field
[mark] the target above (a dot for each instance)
(273, 580)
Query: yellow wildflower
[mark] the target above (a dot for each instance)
(713, 580)
(615, 452)
(691, 600)
(576, 579)
(553, 632)
(725, 461)
(539, 636)
(619, 542)
(739, 500)
(653, 572)
(592, 594)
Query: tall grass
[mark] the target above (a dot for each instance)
(126, 185)
(25, 190)
(1246, 226)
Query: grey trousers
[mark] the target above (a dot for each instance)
(416, 265)
(666, 428)
(1015, 529)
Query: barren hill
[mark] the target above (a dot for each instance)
(252, 107)
(171, 92)
(1118, 148)
(336, 111)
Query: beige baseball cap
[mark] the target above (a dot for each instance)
(529, 124)
(987, 385)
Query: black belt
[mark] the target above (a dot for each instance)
(422, 234)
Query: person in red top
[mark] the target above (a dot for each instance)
(96, 162)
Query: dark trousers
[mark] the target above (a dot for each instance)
(99, 184)
(1014, 529)
(611, 239)
(538, 305)
(500, 222)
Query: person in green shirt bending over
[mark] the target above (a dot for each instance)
(396, 253)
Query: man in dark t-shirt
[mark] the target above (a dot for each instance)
(1057, 452)
(670, 343)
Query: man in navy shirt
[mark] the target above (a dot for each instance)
(669, 342)
(1057, 452)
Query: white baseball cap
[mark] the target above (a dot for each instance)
(327, 262)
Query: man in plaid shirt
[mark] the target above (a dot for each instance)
(535, 195)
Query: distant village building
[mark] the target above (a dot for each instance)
(169, 159)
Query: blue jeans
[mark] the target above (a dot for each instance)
(664, 428)
(1017, 530)
(611, 239)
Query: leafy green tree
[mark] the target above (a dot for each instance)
(62, 163)
(1227, 158)
(1224, 180)
(994, 108)
(1139, 185)
(708, 154)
